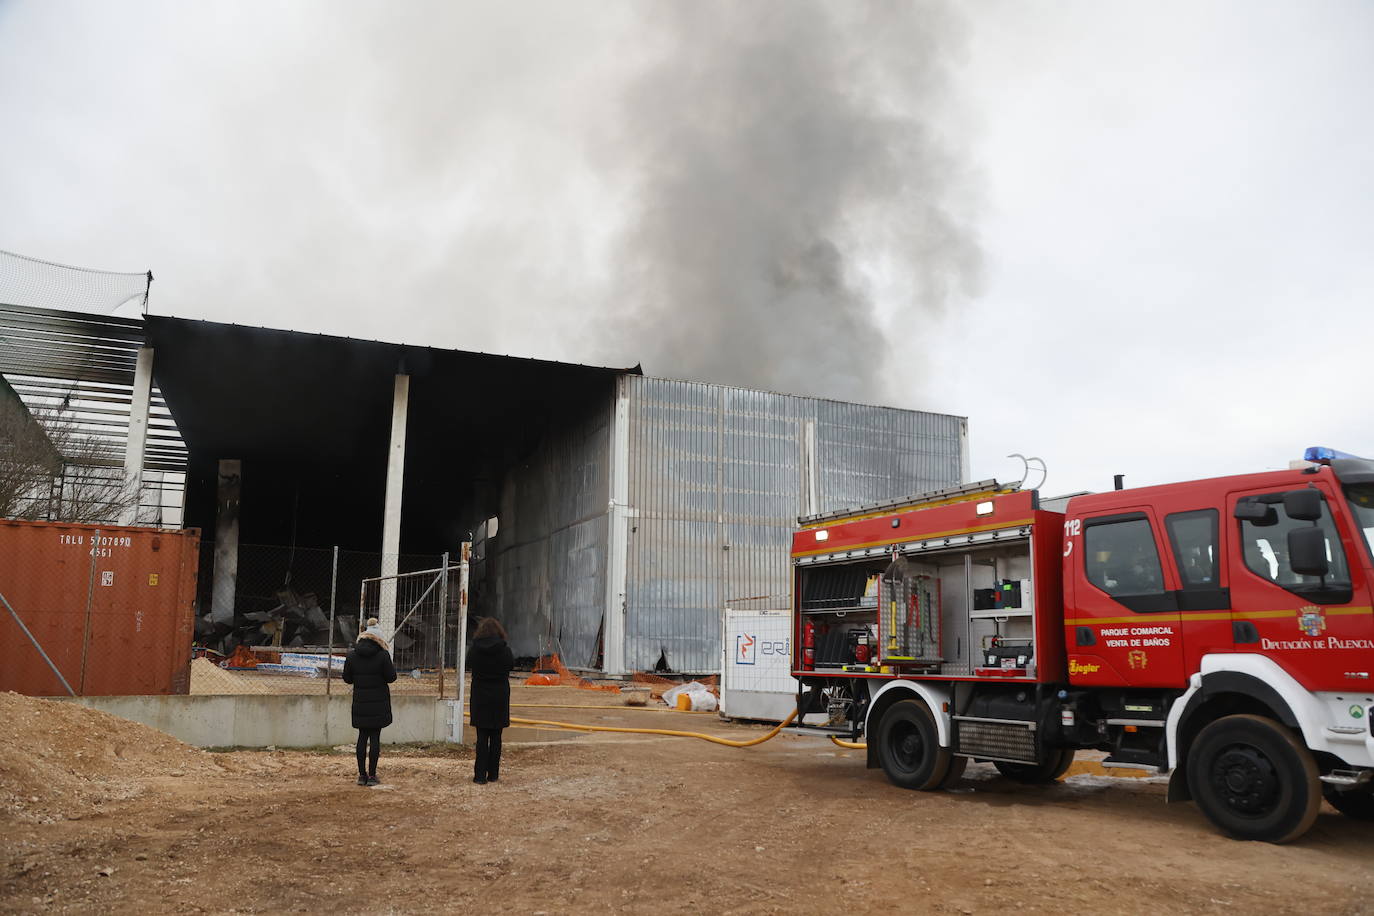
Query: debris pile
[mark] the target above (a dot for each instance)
(60, 760)
(658, 684)
(296, 620)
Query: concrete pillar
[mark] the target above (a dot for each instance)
(813, 497)
(138, 434)
(226, 574)
(391, 516)
(965, 472)
(618, 542)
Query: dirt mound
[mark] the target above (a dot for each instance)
(209, 678)
(61, 760)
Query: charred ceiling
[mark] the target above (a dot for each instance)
(309, 416)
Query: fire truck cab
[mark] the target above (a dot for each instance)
(1219, 631)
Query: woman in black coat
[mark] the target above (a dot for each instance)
(369, 669)
(490, 662)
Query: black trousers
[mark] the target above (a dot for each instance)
(369, 749)
(488, 765)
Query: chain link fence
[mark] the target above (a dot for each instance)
(296, 612)
(88, 610)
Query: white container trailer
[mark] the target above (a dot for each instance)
(755, 682)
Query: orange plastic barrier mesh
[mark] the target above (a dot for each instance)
(657, 684)
(565, 677)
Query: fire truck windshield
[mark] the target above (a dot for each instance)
(1361, 498)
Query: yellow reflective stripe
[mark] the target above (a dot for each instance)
(913, 538)
(1138, 618)
(1329, 612)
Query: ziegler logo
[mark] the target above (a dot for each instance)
(1311, 620)
(1077, 667)
(1137, 659)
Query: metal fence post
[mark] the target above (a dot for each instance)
(443, 619)
(333, 595)
(462, 665)
(90, 598)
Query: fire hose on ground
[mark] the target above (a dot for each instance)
(515, 720)
(560, 726)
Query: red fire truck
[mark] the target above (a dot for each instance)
(1218, 631)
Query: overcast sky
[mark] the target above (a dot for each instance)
(1126, 238)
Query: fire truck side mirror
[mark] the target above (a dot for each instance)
(1307, 552)
(1303, 505)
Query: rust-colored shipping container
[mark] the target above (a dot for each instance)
(113, 607)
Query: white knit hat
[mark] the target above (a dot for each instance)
(374, 632)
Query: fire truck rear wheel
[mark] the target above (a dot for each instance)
(909, 747)
(1357, 804)
(1032, 774)
(1253, 779)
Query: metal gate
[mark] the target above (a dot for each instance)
(424, 614)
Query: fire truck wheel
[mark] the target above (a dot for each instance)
(1359, 805)
(1254, 779)
(909, 747)
(1058, 764)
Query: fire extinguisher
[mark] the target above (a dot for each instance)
(808, 646)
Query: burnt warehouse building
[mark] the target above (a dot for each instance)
(613, 515)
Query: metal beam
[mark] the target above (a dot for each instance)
(138, 432)
(391, 517)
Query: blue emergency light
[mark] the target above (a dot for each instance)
(1322, 454)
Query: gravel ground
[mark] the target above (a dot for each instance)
(102, 815)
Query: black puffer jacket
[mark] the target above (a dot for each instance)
(368, 668)
(490, 662)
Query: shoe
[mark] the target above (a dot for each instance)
(372, 781)
(362, 780)
(479, 780)
(491, 779)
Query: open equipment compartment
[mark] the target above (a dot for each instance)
(1001, 629)
(984, 620)
(956, 611)
(839, 607)
(910, 616)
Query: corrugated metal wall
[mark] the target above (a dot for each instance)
(718, 477)
(869, 454)
(548, 560)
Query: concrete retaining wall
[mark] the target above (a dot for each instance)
(283, 721)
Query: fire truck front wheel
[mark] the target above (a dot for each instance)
(909, 747)
(1252, 778)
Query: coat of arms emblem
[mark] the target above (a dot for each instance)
(1311, 620)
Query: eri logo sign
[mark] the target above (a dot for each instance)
(746, 649)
